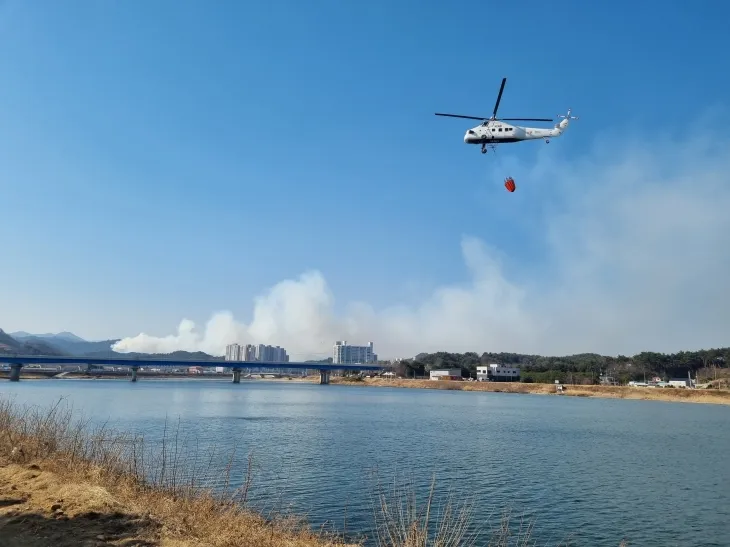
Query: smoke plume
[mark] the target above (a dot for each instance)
(638, 255)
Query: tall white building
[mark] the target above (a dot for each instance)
(234, 352)
(280, 355)
(344, 354)
(249, 352)
(271, 354)
(260, 352)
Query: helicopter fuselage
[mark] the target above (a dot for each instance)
(493, 130)
(497, 132)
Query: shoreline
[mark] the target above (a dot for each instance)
(672, 395)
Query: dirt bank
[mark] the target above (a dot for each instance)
(64, 483)
(40, 507)
(713, 396)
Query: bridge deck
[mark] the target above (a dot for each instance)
(123, 361)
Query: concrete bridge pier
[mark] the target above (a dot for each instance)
(236, 376)
(15, 372)
(324, 377)
(134, 373)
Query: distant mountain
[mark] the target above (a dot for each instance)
(82, 348)
(327, 360)
(182, 355)
(68, 336)
(65, 342)
(7, 342)
(9, 345)
(40, 347)
(68, 344)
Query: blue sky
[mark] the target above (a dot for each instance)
(170, 159)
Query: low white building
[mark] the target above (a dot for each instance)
(680, 382)
(451, 374)
(497, 373)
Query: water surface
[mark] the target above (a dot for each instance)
(599, 470)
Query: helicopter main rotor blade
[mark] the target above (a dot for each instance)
(499, 98)
(460, 116)
(527, 119)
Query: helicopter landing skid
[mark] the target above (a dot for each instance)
(492, 146)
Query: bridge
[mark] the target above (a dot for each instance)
(17, 362)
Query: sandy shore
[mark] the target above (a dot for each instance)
(712, 396)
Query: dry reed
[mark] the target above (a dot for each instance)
(400, 521)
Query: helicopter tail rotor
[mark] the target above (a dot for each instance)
(566, 119)
(567, 116)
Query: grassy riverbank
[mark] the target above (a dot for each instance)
(65, 484)
(713, 396)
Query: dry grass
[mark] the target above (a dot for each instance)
(442, 521)
(713, 396)
(97, 470)
(401, 522)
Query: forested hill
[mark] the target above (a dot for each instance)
(582, 366)
(11, 346)
(51, 346)
(182, 355)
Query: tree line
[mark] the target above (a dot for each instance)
(584, 368)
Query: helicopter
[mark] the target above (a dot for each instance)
(493, 131)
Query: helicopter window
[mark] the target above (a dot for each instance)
(493, 129)
(500, 129)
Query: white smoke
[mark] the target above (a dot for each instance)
(638, 254)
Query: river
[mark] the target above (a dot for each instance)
(595, 471)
